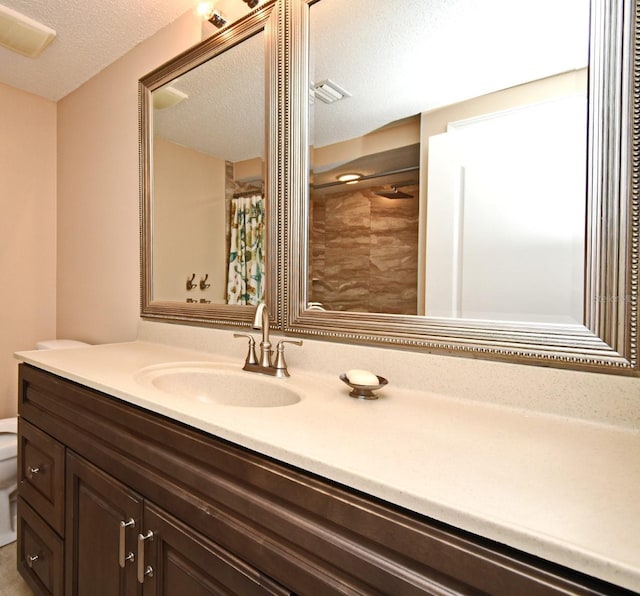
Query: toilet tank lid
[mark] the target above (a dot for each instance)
(8, 446)
(59, 344)
(8, 438)
(9, 425)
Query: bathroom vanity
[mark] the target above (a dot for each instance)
(130, 490)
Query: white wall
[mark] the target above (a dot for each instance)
(27, 230)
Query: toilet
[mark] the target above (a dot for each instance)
(9, 456)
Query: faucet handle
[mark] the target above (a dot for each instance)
(281, 365)
(295, 342)
(252, 358)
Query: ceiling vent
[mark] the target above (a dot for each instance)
(22, 34)
(328, 92)
(167, 97)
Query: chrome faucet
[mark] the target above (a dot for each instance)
(265, 363)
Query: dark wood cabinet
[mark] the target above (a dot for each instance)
(113, 534)
(98, 510)
(184, 562)
(210, 517)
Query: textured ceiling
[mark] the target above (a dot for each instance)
(404, 57)
(91, 34)
(397, 59)
(224, 114)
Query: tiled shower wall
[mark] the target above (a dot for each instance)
(364, 252)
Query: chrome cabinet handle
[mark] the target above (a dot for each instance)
(142, 570)
(122, 558)
(31, 559)
(31, 472)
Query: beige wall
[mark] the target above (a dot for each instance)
(98, 213)
(27, 230)
(188, 223)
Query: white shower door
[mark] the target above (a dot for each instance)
(506, 215)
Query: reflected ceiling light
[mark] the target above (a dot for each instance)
(21, 34)
(349, 178)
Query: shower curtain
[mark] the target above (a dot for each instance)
(246, 251)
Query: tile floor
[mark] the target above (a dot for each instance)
(11, 584)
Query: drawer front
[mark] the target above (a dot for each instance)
(41, 464)
(40, 553)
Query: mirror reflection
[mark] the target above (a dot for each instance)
(208, 156)
(448, 158)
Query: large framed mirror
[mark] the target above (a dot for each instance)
(468, 178)
(209, 177)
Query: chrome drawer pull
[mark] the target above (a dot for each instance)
(31, 559)
(122, 558)
(31, 472)
(142, 570)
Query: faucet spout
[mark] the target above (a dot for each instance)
(261, 321)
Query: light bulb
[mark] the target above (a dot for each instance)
(205, 9)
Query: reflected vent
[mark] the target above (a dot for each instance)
(328, 92)
(167, 97)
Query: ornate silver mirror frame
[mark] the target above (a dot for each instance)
(608, 340)
(263, 19)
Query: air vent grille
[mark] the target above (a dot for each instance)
(22, 34)
(328, 92)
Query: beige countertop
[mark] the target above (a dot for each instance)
(563, 489)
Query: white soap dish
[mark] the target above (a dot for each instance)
(364, 391)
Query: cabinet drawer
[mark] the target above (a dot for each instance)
(41, 474)
(40, 553)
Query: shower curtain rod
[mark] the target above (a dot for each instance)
(247, 193)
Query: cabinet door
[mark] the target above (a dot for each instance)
(181, 561)
(96, 507)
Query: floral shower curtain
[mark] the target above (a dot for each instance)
(246, 251)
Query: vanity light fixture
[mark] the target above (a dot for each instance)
(23, 35)
(349, 178)
(204, 9)
(216, 19)
(214, 16)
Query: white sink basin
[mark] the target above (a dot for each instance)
(218, 384)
